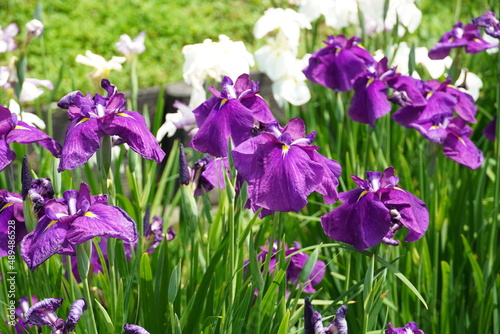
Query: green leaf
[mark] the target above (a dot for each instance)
(110, 328)
(284, 323)
(175, 281)
(309, 265)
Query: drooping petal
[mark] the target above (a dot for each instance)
(465, 106)
(48, 238)
(6, 155)
(369, 101)
(329, 181)
(230, 119)
(362, 221)
(82, 141)
(312, 319)
(463, 151)
(131, 127)
(414, 213)
(43, 312)
(102, 221)
(26, 134)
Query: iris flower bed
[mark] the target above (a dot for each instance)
(368, 202)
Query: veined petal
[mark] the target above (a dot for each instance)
(43, 312)
(26, 134)
(81, 142)
(6, 155)
(369, 101)
(362, 221)
(75, 312)
(134, 329)
(48, 238)
(132, 128)
(463, 151)
(102, 221)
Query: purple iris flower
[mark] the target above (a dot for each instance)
(490, 129)
(282, 168)
(134, 329)
(489, 22)
(230, 113)
(374, 211)
(12, 130)
(43, 314)
(410, 328)
(468, 37)
(337, 65)
(97, 116)
(211, 174)
(452, 133)
(11, 221)
(313, 323)
(295, 266)
(435, 98)
(72, 220)
(370, 93)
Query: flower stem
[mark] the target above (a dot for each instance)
(88, 297)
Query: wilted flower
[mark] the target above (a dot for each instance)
(210, 174)
(97, 116)
(182, 119)
(337, 65)
(374, 211)
(72, 220)
(489, 22)
(229, 113)
(282, 168)
(7, 35)
(130, 48)
(134, 329)
(213, 60)
(43, 314)
(288, 21)
(410, 328)
(35, 29)
(468, 37)
(313, 323)
(12, 130)
(101, 66)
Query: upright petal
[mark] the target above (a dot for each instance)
(75, 312)
(131, 127)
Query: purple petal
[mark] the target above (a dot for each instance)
(102, 221)
(232, 119)
(410, 89)
(202, 112)
(26, 134)
(82, 141)
(489, 130)
(11, 210)
(213, 175)
(329, 181)
(75, 312)
(43, 312)
(6, 155)
(463, 151)
(414, 213)
(131, 127)
(369, 101)
(465, 106)
(48, 238)
(339, 324)
(134, 329)
(362, 221)
(312, 319)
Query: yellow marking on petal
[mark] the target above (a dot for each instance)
(6, 206)
(370, 81)
(284, 149)
(429, 95)
(461, 140)
(361, 46)
(477, 40)
(362, 194)
(450, 85)
(434, 127)
(123, 114)
(90, 214)
(259, 96)
(83, 120)
(223, 102)
(18, 127)
(397, 188)
(50, 224)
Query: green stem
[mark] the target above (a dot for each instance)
(88, 297)
(134, 83)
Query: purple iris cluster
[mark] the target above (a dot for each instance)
(438, 110)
